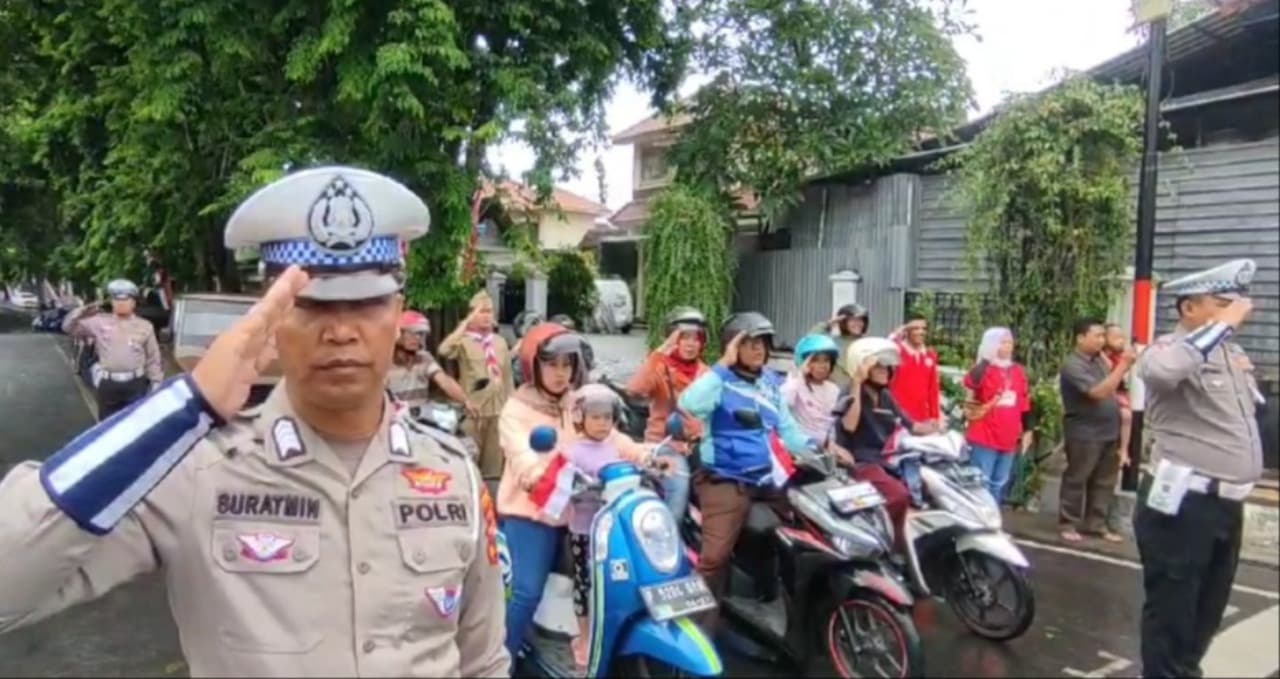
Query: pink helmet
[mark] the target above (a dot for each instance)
(414, 322)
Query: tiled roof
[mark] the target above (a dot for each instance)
(656, 123)
(517, 196)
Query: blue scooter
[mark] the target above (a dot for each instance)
(643, 589)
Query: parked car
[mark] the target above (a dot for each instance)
(22, 297)
(614, 311)
(199, 318)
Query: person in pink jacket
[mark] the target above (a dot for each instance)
(554, 360)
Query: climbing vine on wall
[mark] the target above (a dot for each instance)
(1051, 214)
(688, 259)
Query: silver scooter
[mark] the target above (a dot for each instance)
(956, 546)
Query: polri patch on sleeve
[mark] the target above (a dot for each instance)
(287, 439)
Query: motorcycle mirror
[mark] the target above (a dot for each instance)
(675, 426)
(748, 418)
(542, 439)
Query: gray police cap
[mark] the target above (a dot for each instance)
(122, 288)
(1230, 281)
(344, 225)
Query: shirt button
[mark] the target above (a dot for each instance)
(301, 554)
(419, 556)
(364, 569)
(369, 646)
(355, 493)
(229, 553)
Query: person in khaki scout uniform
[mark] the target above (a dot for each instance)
(128, 354)
(319, 534)
(484, 365)
(1206, 456)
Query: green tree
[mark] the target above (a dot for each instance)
(1046, 189)
(571, 287)
(802, 88)
(688, 259)
(145, 123)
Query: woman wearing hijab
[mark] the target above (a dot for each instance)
(998, 409)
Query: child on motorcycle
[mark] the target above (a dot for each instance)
(555, 360)
(869, 418)
(596, 413)
(809, 390)
(740, 464)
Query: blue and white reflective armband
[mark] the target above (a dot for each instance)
(106, 471)
(1208, 337)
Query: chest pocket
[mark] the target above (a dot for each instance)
(435, 568)
(266, 585)
(1215, 379)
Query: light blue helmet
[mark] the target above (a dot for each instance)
(816, 344)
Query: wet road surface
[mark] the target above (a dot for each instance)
(1087, 606)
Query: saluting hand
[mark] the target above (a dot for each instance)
(669, 344)
(235, 359)
(730, 356)
(1234, 313)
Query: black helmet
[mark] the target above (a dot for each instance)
(753, 323)
(524, 320)
(854, 311)
(683, 318)
(564, 320)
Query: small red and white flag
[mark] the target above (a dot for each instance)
(783, 465)
(554, 489)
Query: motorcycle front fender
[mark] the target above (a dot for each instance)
(998, 545)
(679, 643)
(844, 581)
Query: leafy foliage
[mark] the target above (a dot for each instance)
(129, 125)
(688, 260)
(1050, 214)
(571, 287)
(802, 88)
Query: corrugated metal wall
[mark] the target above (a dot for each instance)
(866, 228)
(1214, 204)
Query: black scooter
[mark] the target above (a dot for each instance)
(842, 609)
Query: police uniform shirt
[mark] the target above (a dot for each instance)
(1200, 407)
(123, 345)
(278, 560)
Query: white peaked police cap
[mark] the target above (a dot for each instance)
(1230, 281)
(343, 225)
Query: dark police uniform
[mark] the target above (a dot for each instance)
(279, 559)
(1205, 449)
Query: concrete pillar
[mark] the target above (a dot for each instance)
(639, 311)
(844, 288)
(493, 285)
(535, 292)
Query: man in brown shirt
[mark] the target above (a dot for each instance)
(484, 366)
(128, 354)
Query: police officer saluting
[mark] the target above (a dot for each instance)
(128, 354)
(316, 535)
(1207, 455)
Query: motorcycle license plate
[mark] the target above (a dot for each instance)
(854, 497)
(678, 598)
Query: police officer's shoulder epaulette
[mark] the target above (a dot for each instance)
(445, 442)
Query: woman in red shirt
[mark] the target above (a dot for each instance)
(998, 409)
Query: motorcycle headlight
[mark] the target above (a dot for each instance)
(655, 530)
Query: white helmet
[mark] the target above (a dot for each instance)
(885, 352)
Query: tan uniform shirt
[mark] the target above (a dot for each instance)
(411, 384)
(277, 561)
(1201, 410)
(473, 367)
(122, 344)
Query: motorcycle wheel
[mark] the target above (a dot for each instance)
(974, 590)
(644, 667)
(845, 641)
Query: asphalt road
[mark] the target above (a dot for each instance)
(1087, 605)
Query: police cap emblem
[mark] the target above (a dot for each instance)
(340, 219)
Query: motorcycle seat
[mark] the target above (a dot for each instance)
(761, 521)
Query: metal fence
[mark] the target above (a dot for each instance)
(948, 312)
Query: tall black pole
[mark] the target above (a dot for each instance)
(1145, 250)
